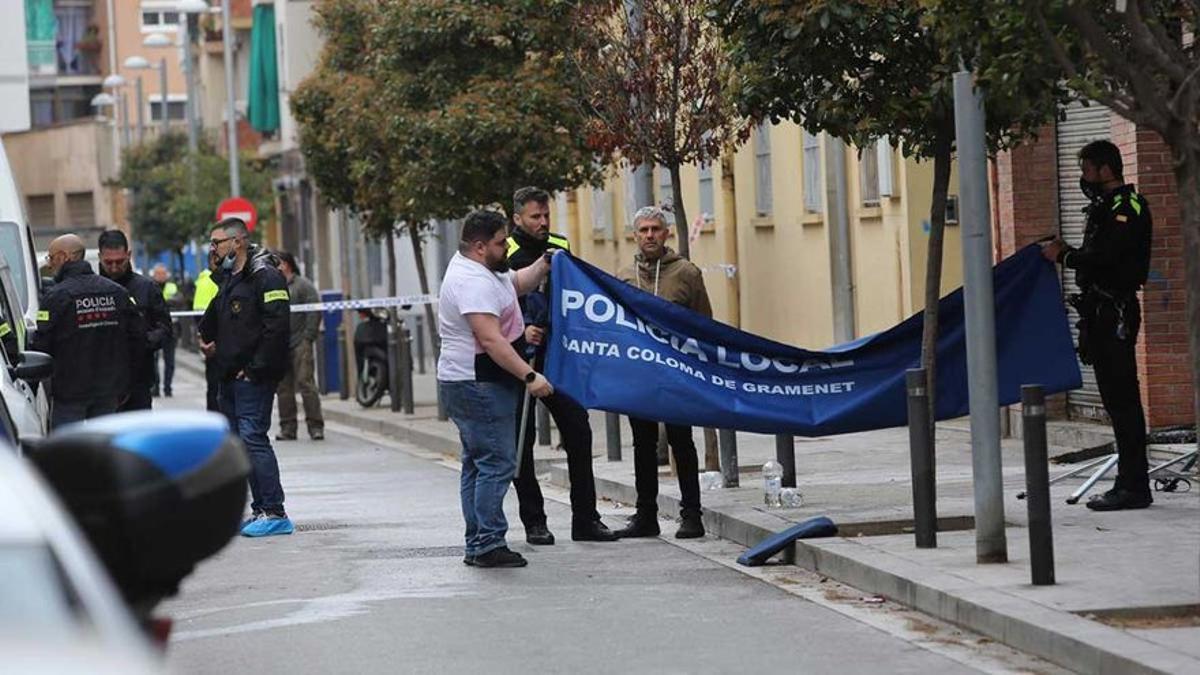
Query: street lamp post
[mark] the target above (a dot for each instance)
(161, 40)
(106, 100)
(235, 183)
(186, 8)
(115, 82)
(139, 63)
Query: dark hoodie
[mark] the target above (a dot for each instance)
(249, 321)
(147, 296)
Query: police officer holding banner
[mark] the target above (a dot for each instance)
(94, 332)
(530, 240)
(1110, 268)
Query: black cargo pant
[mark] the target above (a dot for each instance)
(212, 380)
(1115, 365)
(576, 430)
(645, 465)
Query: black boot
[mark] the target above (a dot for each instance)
(1120, 499)
(591, 530)
(690, 526)
(641, 524)
(539, 535)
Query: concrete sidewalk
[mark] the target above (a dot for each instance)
(1128, 592)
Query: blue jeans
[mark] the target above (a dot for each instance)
(248, 406)
(483, 413)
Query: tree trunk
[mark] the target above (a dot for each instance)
(681, 222)
(414, 235)
(180, 262)
(933, 263)
(1187, 178)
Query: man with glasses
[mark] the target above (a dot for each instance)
(245, 329)
(94, 332)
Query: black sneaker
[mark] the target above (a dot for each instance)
(469, 560)
(690, 526)
(592, 530)
(500, 557)
(1120, 499)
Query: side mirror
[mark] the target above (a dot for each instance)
(33, 367)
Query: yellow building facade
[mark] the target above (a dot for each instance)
(765, 244)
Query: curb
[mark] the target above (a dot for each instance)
(1060, 637)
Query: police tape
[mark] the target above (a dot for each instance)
(337, 305)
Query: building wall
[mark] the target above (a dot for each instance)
(299, 45)
(129, 43)
(1028, 206)
(771, 274)
(14, 69)
(65, 160)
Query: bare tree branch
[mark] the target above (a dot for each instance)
(1153, 42)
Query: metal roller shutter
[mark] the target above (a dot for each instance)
(1081, 126)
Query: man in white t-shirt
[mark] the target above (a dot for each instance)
(480, 376)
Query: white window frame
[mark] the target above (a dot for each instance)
(160, 7)
(171, 98)
(708, 194)
(868, 179)
(602, 213)
(814, 198)
(764, 201)
(887, 177)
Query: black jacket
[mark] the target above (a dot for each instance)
(524, 250)
(147, 296)
(249, 321)
(93, 331)
(1115, 256)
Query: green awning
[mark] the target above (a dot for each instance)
(263, 97)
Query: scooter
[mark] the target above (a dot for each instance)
(370, 356)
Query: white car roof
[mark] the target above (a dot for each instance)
(10, 197)
(19, 524)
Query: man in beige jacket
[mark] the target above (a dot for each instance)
(659, 270)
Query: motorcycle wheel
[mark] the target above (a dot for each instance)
(372, 383)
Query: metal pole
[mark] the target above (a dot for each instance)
(839, 240)
(344, 361)
(920, 448)
(612, 433)
(126, 132)
(406, 392)
(393, 354)
(112, 68)
(141, 112)
(991, 544)
(785, 454)
(235, 181)
(729, 458)
(543, 424)
(190, 106)
(420, 344)
(162, 103)
(1037, 485)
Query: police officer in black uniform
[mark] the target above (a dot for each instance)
(94, 332)
(245, 330)
(147, 297)
(530, 239)
(1110, 267)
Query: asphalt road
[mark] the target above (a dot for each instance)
(372, 582)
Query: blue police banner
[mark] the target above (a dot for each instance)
(616, 348)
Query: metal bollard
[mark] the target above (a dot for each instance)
(420, 344)
(1037, 485)
(785, 454)
(920, 449)
(393, 354)
(344, 361)
(612, 433)
(322, 374)
(406, 371)
(729, 459)
(542, 414)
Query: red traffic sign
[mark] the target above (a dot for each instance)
(238, 207)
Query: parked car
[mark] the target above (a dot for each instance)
(22, 370)
(16, 243)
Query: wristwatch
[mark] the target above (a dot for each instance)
(530, 377)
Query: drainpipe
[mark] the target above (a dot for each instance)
(112, 70)
(839, 240)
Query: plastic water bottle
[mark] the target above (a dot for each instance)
(772, 473)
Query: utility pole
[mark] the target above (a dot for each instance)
(991, 545)
(235, 182)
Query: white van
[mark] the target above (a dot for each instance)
(23, 397)
(16, 243)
